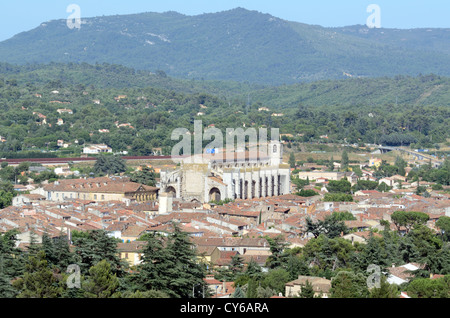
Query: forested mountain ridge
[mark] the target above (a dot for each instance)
(237, 45)
(426, 39)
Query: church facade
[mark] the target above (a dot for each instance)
(214, 177)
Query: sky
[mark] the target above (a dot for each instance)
(23, 15)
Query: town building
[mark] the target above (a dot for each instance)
(65, 111)
(98, 189)
(328, 175)
(321, 286)
(96, 149)
(27, 199)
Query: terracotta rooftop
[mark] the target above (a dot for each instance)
(97, 185)
(131, 246)
(356, 224)
(133, 231)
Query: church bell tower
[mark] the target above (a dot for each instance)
(275, 152)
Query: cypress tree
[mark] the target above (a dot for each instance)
(238, 293)
(344, 160)
(307, 290)
(252, 288)
(292, 160)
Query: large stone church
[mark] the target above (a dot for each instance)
(214, 177)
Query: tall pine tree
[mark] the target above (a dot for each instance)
(39, 279)
(169, 264)
(101, 282)
(155, 263)
(95, 246)
(187, 274)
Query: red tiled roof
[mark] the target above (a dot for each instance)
(97, 185)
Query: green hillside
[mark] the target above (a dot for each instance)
(236, 45)
(339, 95)
(351, 110)
(117, 76)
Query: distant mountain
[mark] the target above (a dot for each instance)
(425, 39)
(237, 45)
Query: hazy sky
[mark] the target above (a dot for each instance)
(23, 15)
